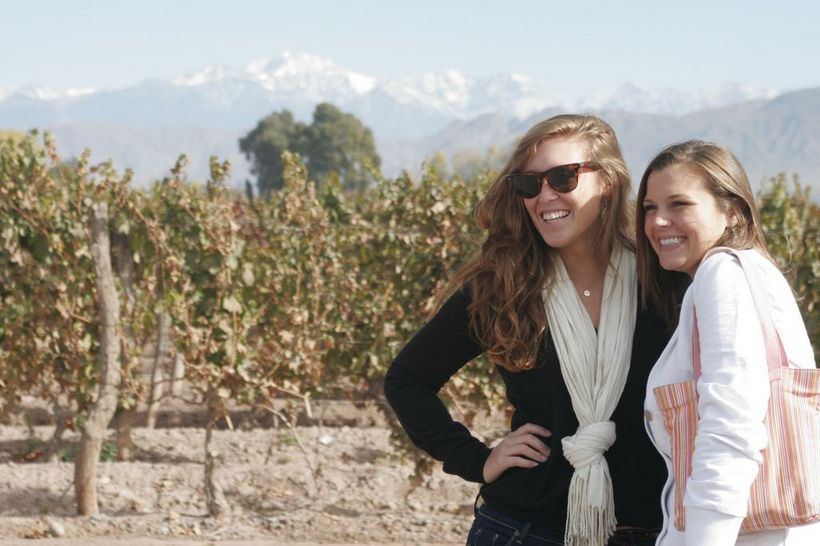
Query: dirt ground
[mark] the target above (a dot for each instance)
(172, 542)
(313, 484)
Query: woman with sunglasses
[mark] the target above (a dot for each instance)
(552, 299)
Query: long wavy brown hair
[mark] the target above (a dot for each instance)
(723, 176)
(507, 314)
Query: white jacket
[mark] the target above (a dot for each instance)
(733, 393)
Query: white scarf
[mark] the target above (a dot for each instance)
(594, 368)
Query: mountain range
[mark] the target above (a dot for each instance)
(146, 125)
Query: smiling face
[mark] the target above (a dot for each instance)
(683, 220)
(564, 219)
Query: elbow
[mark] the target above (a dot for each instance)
(391, 384)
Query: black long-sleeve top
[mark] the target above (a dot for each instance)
(539, 494)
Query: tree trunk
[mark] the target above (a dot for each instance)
(101, 411)
(178, 376)
(214, 498)
(61, 418)
(157, 374)
(125, 424)
(123, 261)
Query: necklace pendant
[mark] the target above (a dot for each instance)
(586, 293)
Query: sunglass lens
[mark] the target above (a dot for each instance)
(563, 179)
(527, 185)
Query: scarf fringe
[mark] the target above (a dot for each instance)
(590, 515)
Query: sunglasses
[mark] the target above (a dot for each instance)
(563, 179)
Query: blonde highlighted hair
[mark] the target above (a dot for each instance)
(507, 275)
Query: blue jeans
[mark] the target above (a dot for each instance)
(491, 528)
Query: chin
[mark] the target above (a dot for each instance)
(671, 266)
(553, 242)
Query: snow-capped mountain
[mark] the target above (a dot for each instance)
(315, 76)
(450, 93)
(461, 97)
(226, 97)
(211, 74)
(630, 97)
(145, 125)
(45, 93)
(312, 77)
(521, 95)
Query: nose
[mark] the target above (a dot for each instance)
(660, 219)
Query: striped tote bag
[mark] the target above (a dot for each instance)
(786, 492)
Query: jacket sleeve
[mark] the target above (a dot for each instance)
(442, 347)
(733, 394)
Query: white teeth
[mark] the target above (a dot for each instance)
(671, 241)
(554, 215)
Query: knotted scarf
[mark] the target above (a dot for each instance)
(594, 368)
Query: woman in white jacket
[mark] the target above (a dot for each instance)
(693, 197)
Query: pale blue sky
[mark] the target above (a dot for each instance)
(574, 48)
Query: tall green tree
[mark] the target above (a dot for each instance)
(263, 146)
(334, 144)
(339, 143)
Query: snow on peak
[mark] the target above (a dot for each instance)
(447, 92)
(309, 74)
(632, 97)
(733, 92)
(295, 75)
(516, 94)
(298, 80)
(46, 92)
(209, 74)
(288, 63)
(454, 94)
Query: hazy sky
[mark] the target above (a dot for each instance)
(573, 47)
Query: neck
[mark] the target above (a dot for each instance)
(583, 264)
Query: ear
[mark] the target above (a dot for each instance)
(732, 217)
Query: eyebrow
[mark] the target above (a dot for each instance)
(675, 196)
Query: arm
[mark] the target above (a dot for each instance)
(442, 347)
(733, 394)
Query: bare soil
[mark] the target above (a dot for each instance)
(311, 484)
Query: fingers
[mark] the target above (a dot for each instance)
(504, 457)
(521, 448)
(498, 462)
(527, 434)
(536, 445)
(521, 462)
(539, 452)
(532, 428)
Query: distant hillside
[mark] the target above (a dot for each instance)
(768, 136)
(151, 152)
